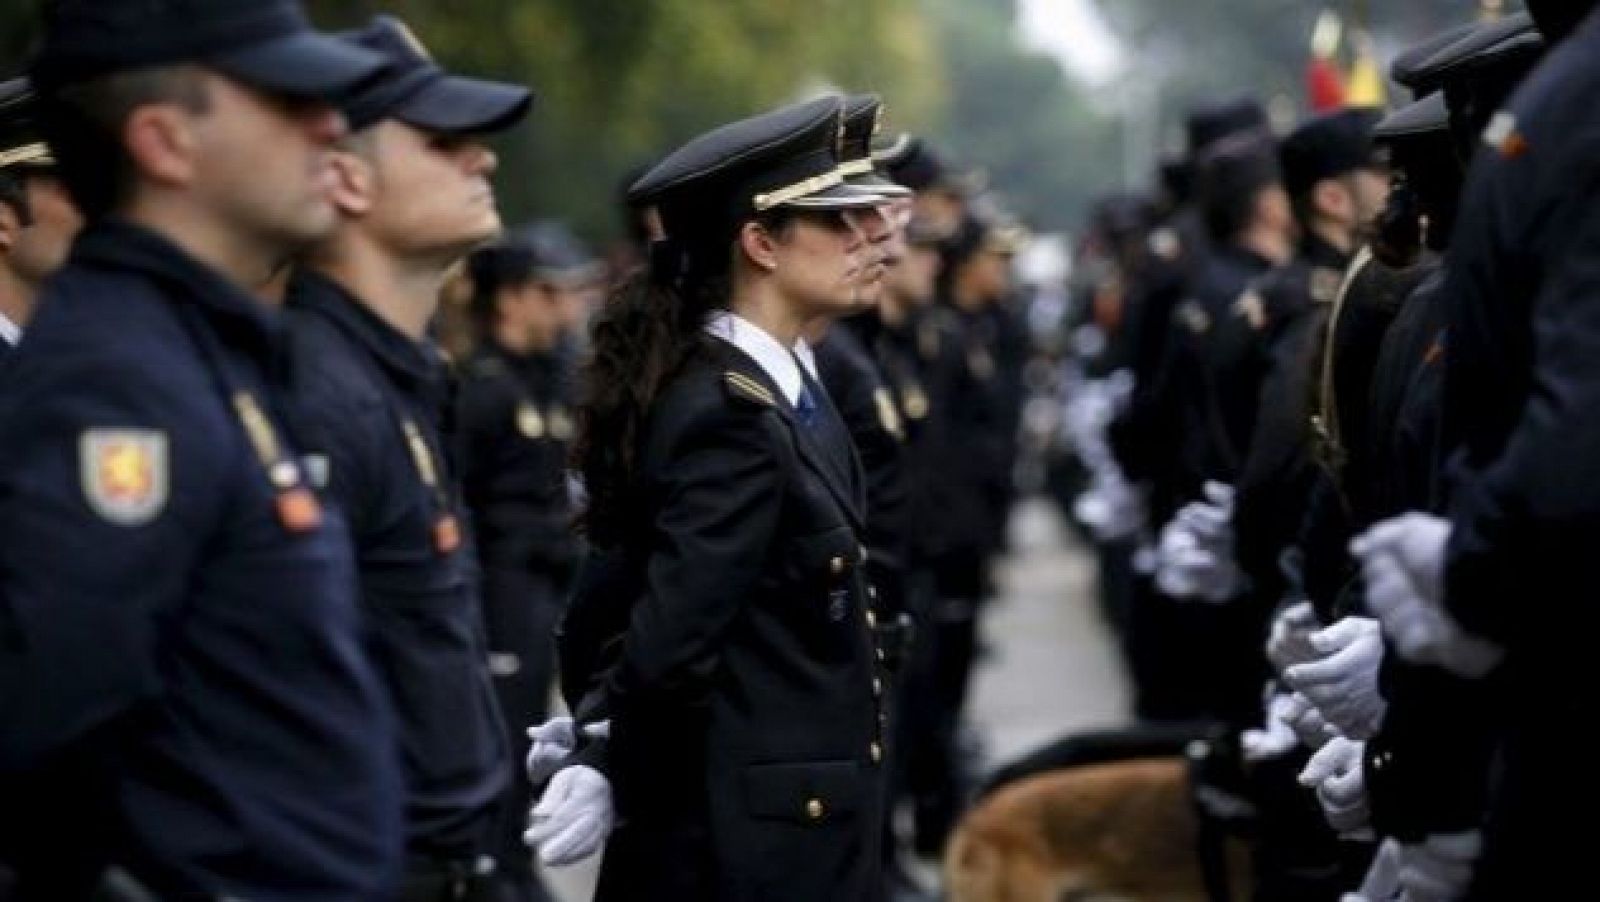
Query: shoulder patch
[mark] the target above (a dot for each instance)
(1192, 316)
(888, 414)
(1503, 135)
(1166, 244)
(1253, 307)
(1325, 284)
(742, 386)
(124, 474)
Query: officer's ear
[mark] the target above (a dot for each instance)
(354, 184)
(759, 246)
(10, 228)
(1331, 199)
(161, 143)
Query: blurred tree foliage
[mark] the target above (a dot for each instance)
(618, 81)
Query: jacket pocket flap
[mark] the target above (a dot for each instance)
(808, 792)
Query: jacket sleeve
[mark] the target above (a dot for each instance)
(99, 545)
(1520, 561)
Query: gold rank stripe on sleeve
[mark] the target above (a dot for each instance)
(747, 387)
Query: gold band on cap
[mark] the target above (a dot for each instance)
(853, 168)
(38, 152)
(768, 200)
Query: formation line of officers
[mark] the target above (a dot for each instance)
(1336, 436)
(285, 587)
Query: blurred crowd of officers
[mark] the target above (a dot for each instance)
(288, 500)
(1330, 430)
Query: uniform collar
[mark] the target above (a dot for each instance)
(774, 359)
(10, 332)
(406, 360)
(119, 244)
(1317, 251)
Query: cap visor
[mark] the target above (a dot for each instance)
(457, 105)
(838, 197)
(303, 64)
(1430, 114)
(877, 184)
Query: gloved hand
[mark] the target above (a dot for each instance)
(1111, 508)
(1188, 568)
(1211, 519)
(1402, 560)
(573, 817)
(1276, 738)
(1307, 722)
(1343, 682)
(1440, 868)
(1382, 882)
(1335, 773)
(1289, 643)
(553, 741)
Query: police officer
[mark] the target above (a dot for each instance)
(516, 423)
(37, 219)
(853, 380)
(184, 687)
(1519, 371)
(746, 702)
(1337, 185)
(413, 196)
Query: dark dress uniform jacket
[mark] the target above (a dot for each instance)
(746, 699)
(162, 617)
(363, 385)
(877, 428)
(1521, 387)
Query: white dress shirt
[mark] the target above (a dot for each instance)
(777, 361)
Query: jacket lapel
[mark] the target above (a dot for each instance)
(816, 457)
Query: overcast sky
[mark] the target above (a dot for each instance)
(1073, 32)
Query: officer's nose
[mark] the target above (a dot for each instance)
(324, 124)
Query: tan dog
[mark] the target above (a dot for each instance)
(1124, 829)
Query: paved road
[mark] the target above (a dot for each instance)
(1051, 667)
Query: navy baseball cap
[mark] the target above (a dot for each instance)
(415, 90)
(266, 44)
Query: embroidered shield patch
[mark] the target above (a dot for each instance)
(124, 473)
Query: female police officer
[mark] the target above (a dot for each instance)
(744, 692)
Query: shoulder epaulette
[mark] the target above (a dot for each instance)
(745, 387)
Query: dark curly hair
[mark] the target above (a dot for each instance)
(649, 329)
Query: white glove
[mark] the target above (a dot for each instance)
(573, 817)
(1335, 773)
(1439, 869)
(1307, 722)
(1417, 542)
(1276, 738)
(1196, 550)
(1402, 560)
(553, 741)
(1343, 683)
(1211, 520)
(1382, 882)
(1289, 643)
(1110, 508)
(1188, 568)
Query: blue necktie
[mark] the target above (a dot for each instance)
(805, 407)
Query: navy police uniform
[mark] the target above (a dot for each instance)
(374, 401)
(746, 698)
(182, 678)
(178, 603)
